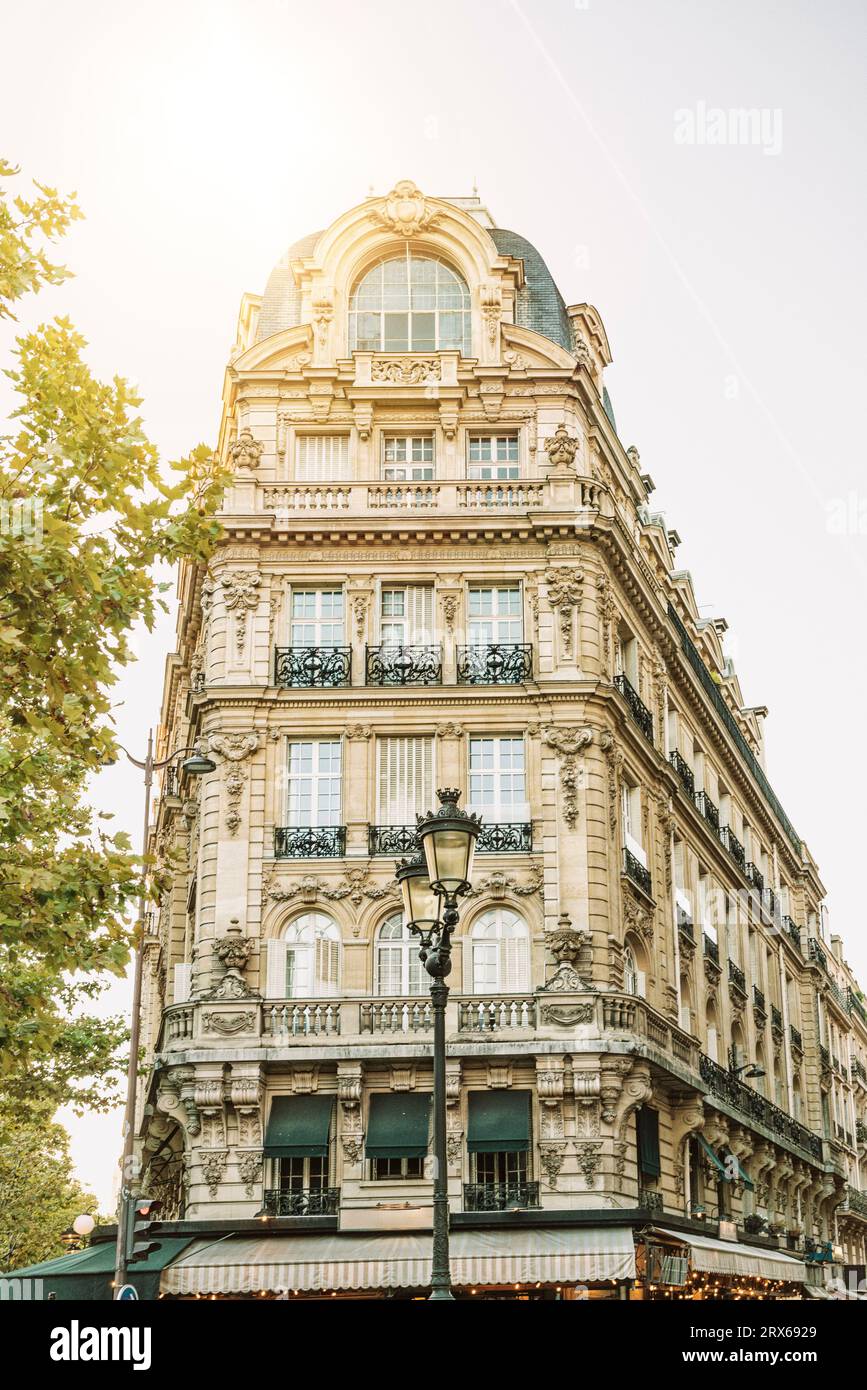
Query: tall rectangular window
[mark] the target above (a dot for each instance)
(498, 785)
(314, 782)
(495, 615)
(407, 457)
(405, 780)
(630, 796)
(322, 458)
(406, 616)
(317, 618)
(493, 456)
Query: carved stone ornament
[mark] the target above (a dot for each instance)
(569, 743)
(551, 1159)
(353, 1148)
(566, 1015)
(637, 917)
(358, 732)
(561, 448)
(406, 373)
(566, 943)
(246, 451)
(241, 595)
(213, 1167)
(581, 347)
(323, 313)
(356, 885)
(589, 1156)
(450, 609)
(404, 210)
(492, 307)
(234, 747)
(498, 884)
(566, 980)
(250, 1171)
(228, 1024)
(564, 594)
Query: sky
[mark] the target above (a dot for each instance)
(724, 256)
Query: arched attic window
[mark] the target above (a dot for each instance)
(410, 304)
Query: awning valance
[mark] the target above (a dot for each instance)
(298, 1127)
(730, 1257)
(499, 1122)
(88, 1275)
(311, 1263)
(398, 1124)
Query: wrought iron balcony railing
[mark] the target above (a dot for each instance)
(794, 931)
(776, 1019)
(685, 926)
(737, 979)
(856, 1200)
(302, 1201)
(815, 953)
(759, 1001)
(728, 1087)
(858, 1072)
(636, 871)
(637, 708)
(754, 877)
(392, 839)
(649, 1199)
(771, 904)
(496, 663)
(388, 665)
(861, 1131)
(297, 668)
(854, 1005)
(500, 1196)
(496, 837)
(505, 837)
(824, 1057)
(711, 948)
(309, 841)
(684, 772)
(731, 843)
(708, 810)
(795, 1038)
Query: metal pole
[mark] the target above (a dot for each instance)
(128, 1176)
(441, 1281)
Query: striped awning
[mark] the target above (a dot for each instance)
(310, 1263)
(730, 1257)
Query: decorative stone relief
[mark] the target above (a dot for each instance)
(589, 1156)
(637, 917)
(250, 1171)
(565, 1015)
(241, 595)
(449, 730)
(416, 372)
(492, 307)
(246, 1093)
(564, 595)
(614, 759)
(246, 451)
(234, 748)
(450, 610)
(228, 1024)
(551, 1159)
(607, 614)
(359, 608)
(213, 1163)
(561, 448)
(323, 313)
(498, 884)
(569, 743)
(405, 211)
(499, 1076)
(356, 732)
(353, 1148)
(581, 348)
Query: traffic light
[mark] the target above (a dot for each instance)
(143, 1215)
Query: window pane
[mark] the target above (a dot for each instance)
(396, 332)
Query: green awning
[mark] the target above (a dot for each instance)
(298, 1127)
(647, 1125)
(88, 1274)
(499, 1122)
(397, 1126)
(714, 1158)
(745, 1177)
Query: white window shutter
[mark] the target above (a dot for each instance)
(420, 609)
(182, 983)
(515, 958)
(404, 779)
(712, 1044)
(322, 458)
(641, 984)
(686, 1018)
(326, 962)
(275, 971)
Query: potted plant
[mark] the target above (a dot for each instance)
(754, 1224)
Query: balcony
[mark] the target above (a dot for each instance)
(856, 1201)
(710, 949)
(496, 1015)
(637, 708)
(759, 1008)
(771, 905)
(685, 927)
(650, 1200)
(396, 1016)
(733, 846)
(737, 979)
(707, 809)
(776, 1021)
(754, 877)
(637, 872)
(815, 953)
(309, 841)
(793, 930)
(684, 772)
(727, 1087)
(315, 1018)
(824, 1058)
(399, 666)
(500, 1196)
(301, 1201)
(343, 503)
(858, 1072)
(498, 837)
(795, 1038)
(505, 837)
(495, 664)
(312, 668)
(854, 1005)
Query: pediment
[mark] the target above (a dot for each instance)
(280, 352)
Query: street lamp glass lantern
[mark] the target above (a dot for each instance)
(198, 764)
(421, 905)
(448, 839)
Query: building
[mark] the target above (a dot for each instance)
(442, 567)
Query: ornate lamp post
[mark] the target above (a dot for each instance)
(431, 885)
(196, 765)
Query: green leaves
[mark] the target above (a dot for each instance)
(74, 582)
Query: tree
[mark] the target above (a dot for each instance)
(86, 515)
(39, 1195)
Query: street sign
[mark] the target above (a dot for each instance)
(126, 1292)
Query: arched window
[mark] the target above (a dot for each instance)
(310, 958)
(398, 968)
(634, 979)
(410, 304)
(712, 1033)
(500, 943)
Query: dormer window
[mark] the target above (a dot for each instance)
(410, 304)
